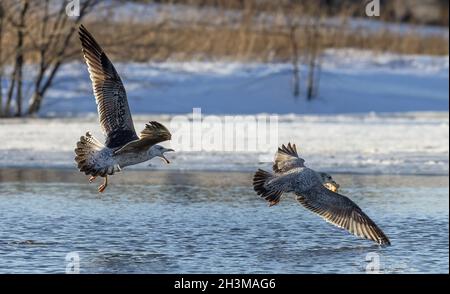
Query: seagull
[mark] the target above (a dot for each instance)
(291, 175)
(122, 147)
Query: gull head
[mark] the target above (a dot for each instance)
(329, 182)
(158, 151)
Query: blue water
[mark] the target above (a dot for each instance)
(171, 222)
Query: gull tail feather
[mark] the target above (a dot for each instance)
(261, 187)
(87, 149)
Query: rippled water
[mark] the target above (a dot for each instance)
(174, 222)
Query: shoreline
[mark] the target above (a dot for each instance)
(413, 144)
(246, 170)
(200, 178)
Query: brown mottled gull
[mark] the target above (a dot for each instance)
(291, 175)
(123, 147)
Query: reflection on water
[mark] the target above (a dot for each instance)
(172, 222)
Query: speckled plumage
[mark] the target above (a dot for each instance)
(291, 175)
(122, 147)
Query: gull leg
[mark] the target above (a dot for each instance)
(91, 179)
(103, 186)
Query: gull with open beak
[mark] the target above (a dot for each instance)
(122, 147)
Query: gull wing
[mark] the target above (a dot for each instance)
(153, 133)
(112, 104)
(342, 212)
(287, 158)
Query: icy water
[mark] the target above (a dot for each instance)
(175, 222)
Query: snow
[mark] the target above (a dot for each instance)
(375, 113)
(351, 81)
(411, 143)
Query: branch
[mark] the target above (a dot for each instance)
(59, 56)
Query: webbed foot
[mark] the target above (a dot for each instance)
(103, 186)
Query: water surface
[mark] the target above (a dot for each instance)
(197, 222)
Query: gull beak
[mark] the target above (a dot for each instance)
(332, 186)
(165, 158)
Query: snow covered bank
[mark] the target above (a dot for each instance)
(351, 81)
(412, 143)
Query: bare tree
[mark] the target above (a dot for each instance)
(295, 60)
(43, 35)
(313, 57)
(49, 64)
(16, 75)
(2, 15)
(19, 56)
(303, 21)
(292, 23)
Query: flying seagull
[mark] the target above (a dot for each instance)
(291, 175)
(123, 147)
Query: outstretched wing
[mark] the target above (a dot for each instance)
(287, 158)
(153, 133)
(342, 212)
(112, 105)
